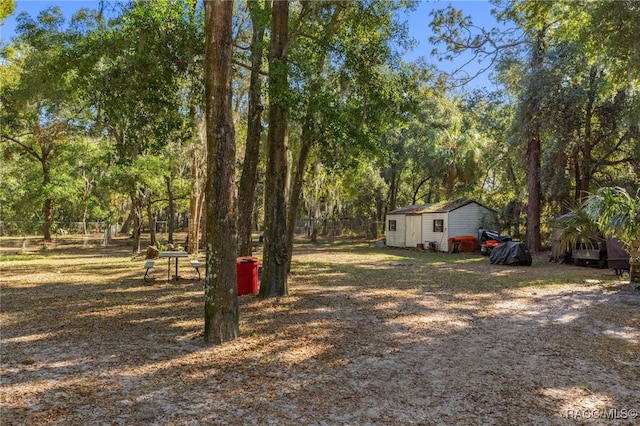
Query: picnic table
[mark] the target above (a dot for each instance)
(150, 263)
(172, 255)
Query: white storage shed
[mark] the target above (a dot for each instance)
(404, 226)
(437, 223)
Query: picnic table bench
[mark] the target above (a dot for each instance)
(148, 265)
(196, 264)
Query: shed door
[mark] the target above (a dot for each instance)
(414, 230)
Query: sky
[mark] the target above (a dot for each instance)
(418, 23)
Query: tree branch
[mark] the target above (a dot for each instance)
(27, 148)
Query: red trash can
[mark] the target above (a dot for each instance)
(247, 270)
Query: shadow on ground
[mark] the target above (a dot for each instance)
(367, 336)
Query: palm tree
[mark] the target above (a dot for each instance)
(617, 214)
(578, 229)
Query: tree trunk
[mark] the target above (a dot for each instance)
(48, 218)
(85, 209)
(85, 203)
(296, 187)
(274, 273)
(577, 175)
(202, 217)
(393, 187)
(531, 124)
(153, 238)
(221, 295)
(136, 200)
(126, 225)
(249, 178)
(198, 186)
(47, 209)
(373, 229)
(195, 200)
(171, 220)
(533, 186)
(582, 186)
(449, 182)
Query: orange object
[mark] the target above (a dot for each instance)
(468, 243)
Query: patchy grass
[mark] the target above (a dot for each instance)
(367, 336)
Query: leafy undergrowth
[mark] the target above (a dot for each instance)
(366, 336)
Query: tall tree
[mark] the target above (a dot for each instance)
(134, 69)
(249, 177)
(348, 85)
(221, 295)
(197, 183)
(275, 257)
(531, 136)
(534, 21)
(310, 133)
(196, 146)
(41, 106)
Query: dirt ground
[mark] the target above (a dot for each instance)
(366, 337)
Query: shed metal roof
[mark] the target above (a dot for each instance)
(442, 207)
(415, 209)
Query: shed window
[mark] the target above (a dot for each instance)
(392, 225)
(438, 225)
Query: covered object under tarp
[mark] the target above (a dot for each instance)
(617, 257)
(511, 253)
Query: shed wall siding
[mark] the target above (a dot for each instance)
(470, 218)
(464, 221)
(440, 238)
(396, 238)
